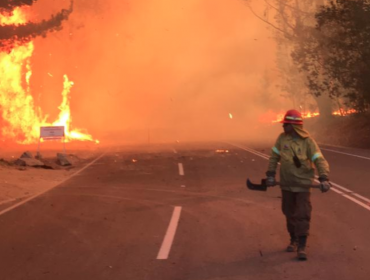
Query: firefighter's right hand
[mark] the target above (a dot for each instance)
(270, 181)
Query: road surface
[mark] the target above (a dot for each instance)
(182, 211)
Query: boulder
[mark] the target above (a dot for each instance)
(29, 162)
(27, 154)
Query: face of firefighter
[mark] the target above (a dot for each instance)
(288, 128)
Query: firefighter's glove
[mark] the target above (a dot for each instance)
(270, 181)
(325, 186)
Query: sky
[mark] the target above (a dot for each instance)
(174, 69)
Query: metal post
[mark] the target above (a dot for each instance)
(38, 147)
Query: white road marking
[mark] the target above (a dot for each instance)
(183, 186)
(34, 196)
(337, 191)
(348, 154)
(181, 169)
(362, 197)
(251, 151)
(170, 234)
(174, 151)
(358, 202)
(345, 192)
(10, 200)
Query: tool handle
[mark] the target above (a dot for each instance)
(314, 186)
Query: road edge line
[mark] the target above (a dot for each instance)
(334, 184)
(45, 191)
(343, 153)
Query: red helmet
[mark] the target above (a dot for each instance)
(293, 117)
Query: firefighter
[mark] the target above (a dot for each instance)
(297, 153)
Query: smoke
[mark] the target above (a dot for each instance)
(164, 69)
(12, 35)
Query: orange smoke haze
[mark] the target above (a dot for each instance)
(176, 69)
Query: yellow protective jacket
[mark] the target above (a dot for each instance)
(309, 155)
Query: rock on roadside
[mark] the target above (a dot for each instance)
(29, 162)
(63, 160)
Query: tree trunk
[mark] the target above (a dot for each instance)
(324, 103)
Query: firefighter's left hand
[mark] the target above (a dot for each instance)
(325, 186)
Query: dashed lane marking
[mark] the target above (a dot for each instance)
(181, 169)
(165, 249)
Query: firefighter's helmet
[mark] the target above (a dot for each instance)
(293, 117)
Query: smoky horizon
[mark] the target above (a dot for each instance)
(138, 70)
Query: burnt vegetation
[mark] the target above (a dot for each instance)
(17, 34)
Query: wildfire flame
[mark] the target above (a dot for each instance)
(271, 117)
(305, 115)
(343, 112)
(17, 105)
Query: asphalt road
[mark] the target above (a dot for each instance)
(183, 212)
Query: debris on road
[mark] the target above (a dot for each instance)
(222, 151)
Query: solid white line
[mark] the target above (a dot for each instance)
(252, 151)
(346, 191)
(358, 202)
(34, 196)
(334, 184)
(340, 187)
(348, 154)
(170, 235)
(335, 190)
(181, 169)
(10, 200)
(362, 197)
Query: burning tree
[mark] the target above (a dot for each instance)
(21, 119)
(17, 33)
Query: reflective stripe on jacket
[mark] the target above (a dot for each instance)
(308, 153)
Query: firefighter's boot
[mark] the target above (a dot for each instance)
(301, 252)
(292, 247)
